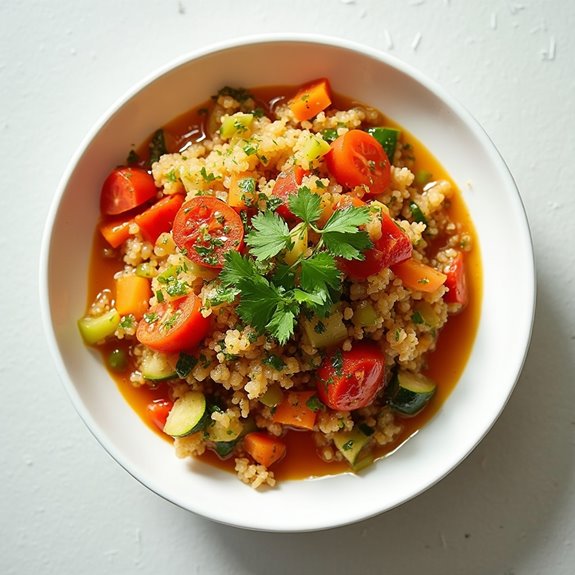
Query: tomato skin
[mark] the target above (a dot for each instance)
(174, 326)
(287, 183)
(351, 379)
(456, 282)
(125, 189)
(158, 411)
(391, 248)
(207, 228)
(356, 158)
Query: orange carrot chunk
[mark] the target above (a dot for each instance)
(264, 448)
(132, 295)
(116, 231)
(159, 217)
(418, 276)
(310, 100)
(295, 411)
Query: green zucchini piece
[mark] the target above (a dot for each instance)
(236, 124)
(157, 366)
(388, 138)
(217, 433)
(351, 444)
(97, 329)
(326, 331)
(315, 148)
(188, 415)
(410, 392)
(365, 315)
(272, 396)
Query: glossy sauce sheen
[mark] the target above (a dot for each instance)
(445, 363)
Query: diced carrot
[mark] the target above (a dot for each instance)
(242, 190)
(294, 411)
(160, 217)
(116, 231)
(264, 448)
(132, 295)
(418, 276)
(310, 100)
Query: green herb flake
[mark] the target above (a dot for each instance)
(185, 364)
(314, 403)
(274, 361)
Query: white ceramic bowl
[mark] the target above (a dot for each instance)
(454, 138)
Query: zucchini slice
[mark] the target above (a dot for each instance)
(351, 444)
(157, 366)
(188, 415)
(410, 392)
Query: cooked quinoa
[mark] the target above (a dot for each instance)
(237, 366)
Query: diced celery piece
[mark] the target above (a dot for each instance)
(350, 444)
(272, 397)
(299, 239)
(365, 315)
(315, 148)
(325, 332)
(236, 124)
(96, 329)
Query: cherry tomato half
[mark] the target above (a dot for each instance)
(207, 228)
(456, 281)
(392, 247)
(348, 380)
(125, 189)
(287, 183)
(174, 326)
(356, 158)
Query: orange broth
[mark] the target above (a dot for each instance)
(445, 363)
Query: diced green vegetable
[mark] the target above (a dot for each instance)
(325, 332)
(350, 444)
(117, 360)
(97, 329)
(315, 148)
(365, 315)
(428, 314)
(145, 270)
(157, 366)
(329, 135)
(272, 397)
(235, 125)
(410, 392)
(423, 177)
(188, 415)
(388, 138)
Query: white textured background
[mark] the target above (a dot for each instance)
(67, 507)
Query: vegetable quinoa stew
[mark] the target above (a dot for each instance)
(284, 282)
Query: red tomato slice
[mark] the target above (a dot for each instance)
(350, 380)
(174, 326)
(125, 189)
(456, 281)
(159, 217)
(357, 159)
(206, 229)
(393, 247)
(287, 183)
(158, 411)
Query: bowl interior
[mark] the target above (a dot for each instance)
(508, 290)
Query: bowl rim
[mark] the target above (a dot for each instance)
(222, 46)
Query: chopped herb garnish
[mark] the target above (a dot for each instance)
(207, 177)
(274, 361)
(157, 146)
(314, 403)
(132, 158)
(417, 318)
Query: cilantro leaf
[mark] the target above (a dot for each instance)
(314, 299)
(305, 205)
(320, 272)
(346, 245)
(259, 301)
(284, 277)
(348, 220)
(269, 237)
(282, 324)
(236, 268)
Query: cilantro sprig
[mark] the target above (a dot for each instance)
(273, 293)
